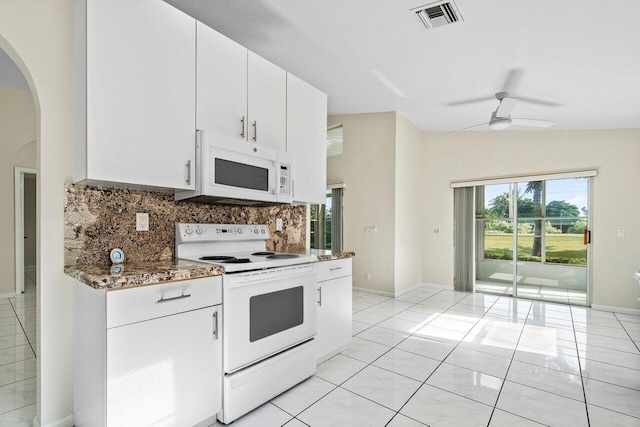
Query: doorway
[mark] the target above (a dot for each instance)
(532, 239)
(25, 222)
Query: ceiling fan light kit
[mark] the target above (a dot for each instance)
(499, 123)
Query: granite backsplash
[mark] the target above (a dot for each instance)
(98, 219)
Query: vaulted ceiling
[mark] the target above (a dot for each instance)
(580, 57)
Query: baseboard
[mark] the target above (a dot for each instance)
(616, 309)
(9, 295)
(375, 292)
(64, 422)
(438, 286)
(413, 288)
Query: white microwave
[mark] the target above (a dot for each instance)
(234, 172)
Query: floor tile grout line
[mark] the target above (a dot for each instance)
(625, 330)
(584, 391)
(16, 409)
(506, 374)
(440, 364)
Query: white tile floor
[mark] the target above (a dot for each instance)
(535, 292)
(18, 357)
(429, 357)
(442, 358)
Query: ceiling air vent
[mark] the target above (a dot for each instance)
(438, 14)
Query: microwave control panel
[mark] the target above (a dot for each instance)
(285, 180)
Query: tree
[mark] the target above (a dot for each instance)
(560, 208)
(499, 206)
(535, 187)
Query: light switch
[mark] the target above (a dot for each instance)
(620, 234)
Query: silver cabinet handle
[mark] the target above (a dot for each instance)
(215, 326)
(188, 172)
(255, 131)
(163, 299)
(242, 132)
(320, 296)
(335, 268)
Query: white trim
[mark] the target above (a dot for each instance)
(526, 178)
(616, 309)
(413, 288)
(334, 186)
(67, 421)
(373, 291)
(18, 203)
(8, 295)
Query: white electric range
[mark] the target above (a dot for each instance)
(269, 303)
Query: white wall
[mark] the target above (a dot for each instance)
(17, 130)
(409, 205)
(367, 167)
(36, 34)
(476, 155)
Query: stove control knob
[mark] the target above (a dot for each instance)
(239, 230)
(199, 231)
(188, 231)
(263, 231)
(255, 231)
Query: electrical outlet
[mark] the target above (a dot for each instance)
(371, 229)
(620, 234)
(142, 222)
(367, 276)
(278, 224)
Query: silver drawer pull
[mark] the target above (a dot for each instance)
(336, 268)
(215, 326)
(163, 299)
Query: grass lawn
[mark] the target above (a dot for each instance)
(561, 248)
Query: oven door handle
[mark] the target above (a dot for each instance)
(235, 280)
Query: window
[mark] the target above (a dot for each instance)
(326, 222)
(334, 140)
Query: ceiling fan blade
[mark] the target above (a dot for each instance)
(469, 128)
(514, 77)
(540, 102)
(535, 123)
(471, 101)
(506, 107)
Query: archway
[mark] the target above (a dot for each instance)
(19, 154)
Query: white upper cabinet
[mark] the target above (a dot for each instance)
(222, 86)
(135, 90)
(241, 96)
(267, 109)
(307, 140)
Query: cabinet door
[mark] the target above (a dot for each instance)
(334, 316)
(222, 86)
(140, 71)
(307, 140)
(165, 371)
(267, 86)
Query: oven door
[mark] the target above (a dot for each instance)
(240, 171)
(267, 311)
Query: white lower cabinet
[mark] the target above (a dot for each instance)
(334, 308)
(163, 368)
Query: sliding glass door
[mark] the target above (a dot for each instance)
(532, 239)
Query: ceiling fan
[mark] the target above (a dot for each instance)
(501, 117)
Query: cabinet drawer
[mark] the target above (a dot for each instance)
(149, 302)
(328, 270)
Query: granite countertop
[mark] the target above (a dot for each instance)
(327, 255)
(138, 274)
(103, 276)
